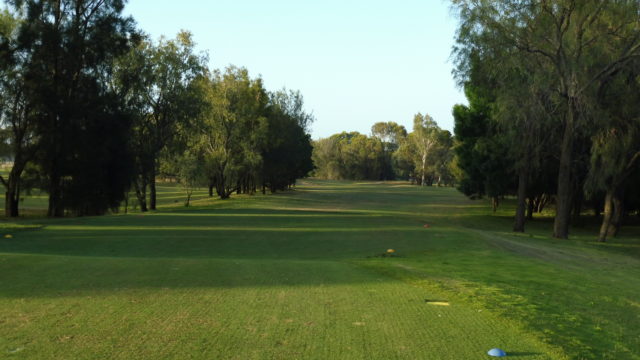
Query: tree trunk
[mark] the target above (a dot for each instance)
(563, 197)
(606, 220)
(544, 200)
(141, 194)
(424, 165)
(152, 187)
(530, 209)
(211, 189)
(495, 202)
(618, 212)
(12, 195)
(11, 203)
(221, 188)
(522, 201)
(56, 209)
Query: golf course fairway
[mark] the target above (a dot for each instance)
(331, 270)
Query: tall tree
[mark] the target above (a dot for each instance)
(68, 48)
(482, 152)
(233, 129)
(616, 146)
(582, 41)
(16, 118)
(287, 152)
(160, 84)
(424, 136)
(391, 135)
(292, 103)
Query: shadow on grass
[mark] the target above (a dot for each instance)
(79, 277)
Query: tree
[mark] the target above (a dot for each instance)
(326, 158)
(481, 151)
(441, 158)
(67, 49)
(582, 42)
(350, 155)
(160, 83)
(287, 153)
(17, 120)
(424, 137)
(616, 147)
(391, 135)
(189, 172)
(232, 129)
(292, 103)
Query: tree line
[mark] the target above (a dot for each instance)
(92, 109)
(553, 117)
(423, 156)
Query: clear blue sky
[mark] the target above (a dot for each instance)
(356, 62)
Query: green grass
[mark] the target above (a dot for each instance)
(299, 276)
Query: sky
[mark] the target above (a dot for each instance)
(356, 62)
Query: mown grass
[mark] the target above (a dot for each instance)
(300, 275)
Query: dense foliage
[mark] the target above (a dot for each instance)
(423, 156)
(91, 109)
(552, 115)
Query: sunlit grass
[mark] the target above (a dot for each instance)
(307, 275)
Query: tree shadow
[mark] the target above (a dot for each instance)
(228, 248)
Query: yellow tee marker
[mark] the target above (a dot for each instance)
(8, 236)
(438, 303)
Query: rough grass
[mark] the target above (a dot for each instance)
(301, 275)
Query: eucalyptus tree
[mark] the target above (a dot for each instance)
(349, 155)
(425, 138)
(583, 42)
(615, 153)
(441, 158)
(404, 159)
(160, 82)
(326, 158)
(232, 129)
(189, 171)
(391, 135)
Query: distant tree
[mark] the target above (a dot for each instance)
(391, 135)
(404, 159)
(441, 158)
(352, 156)
(326, 158)
(425, 138)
